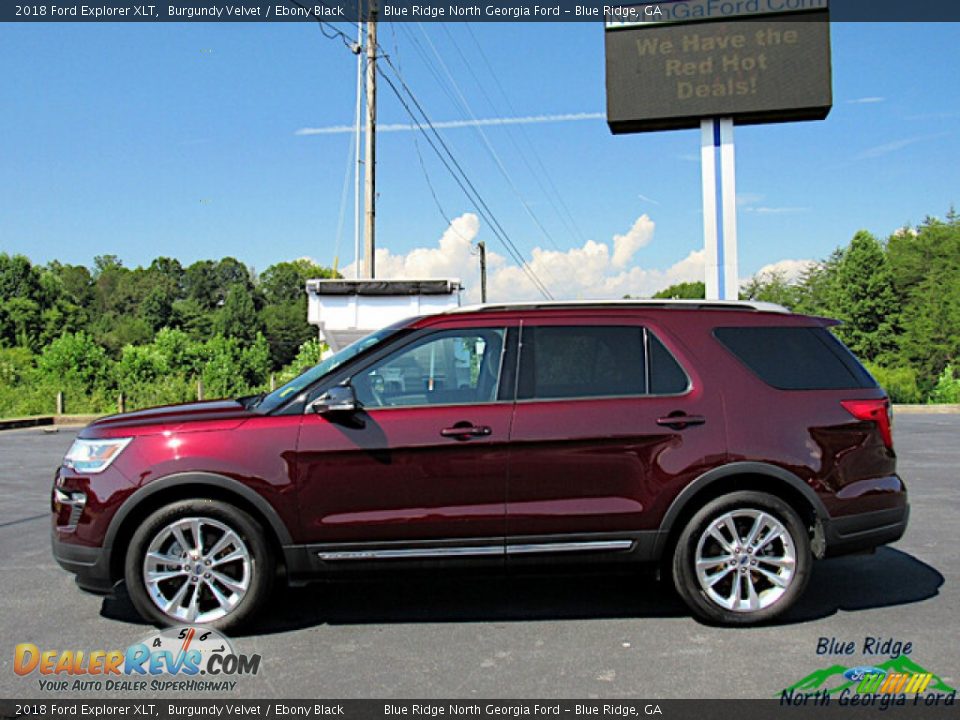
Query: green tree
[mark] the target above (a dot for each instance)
(168, 274)
(18, 277)
(817, 287)
(683, 291)
(108, 276)
(113, 331)
(771, 287)
(230, 368)
(157, 308)
(75, 283)
(192, 317)
(22, 317)
(238, 317)
(76, 361)
(286, 329)
(866, 300)
(140, 365)
(285, 282)
(200, 284)
(180, 354)
(63, 313)
(20, 301)
(926, 268)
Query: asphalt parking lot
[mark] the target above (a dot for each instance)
(602, 636)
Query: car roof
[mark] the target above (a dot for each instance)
(745, 305)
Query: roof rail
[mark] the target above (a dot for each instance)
(652, 303)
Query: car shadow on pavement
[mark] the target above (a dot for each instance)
(472, 598)
(860, 582)
(887, 578)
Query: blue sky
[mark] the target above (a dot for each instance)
(181, 139)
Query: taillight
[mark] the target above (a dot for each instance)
(878, 411)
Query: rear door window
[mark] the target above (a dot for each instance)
(796, 358)
(589, 361)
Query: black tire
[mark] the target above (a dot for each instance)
(258, 570)
(693, 591)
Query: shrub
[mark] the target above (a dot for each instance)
(307, 356)
(16, 366)
(77, 362)
(947, 389)
(900, 383)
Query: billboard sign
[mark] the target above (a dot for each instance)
(671, 64)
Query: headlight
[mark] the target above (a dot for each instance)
(94, 456)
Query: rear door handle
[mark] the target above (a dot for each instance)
(680, 421)
(465, 432)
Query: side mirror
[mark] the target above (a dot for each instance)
(337, 399)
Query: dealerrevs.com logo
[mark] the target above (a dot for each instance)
(177, 659)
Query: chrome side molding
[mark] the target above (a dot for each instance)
(477, 550)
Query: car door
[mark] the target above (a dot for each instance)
(606, 420)
(419, 471)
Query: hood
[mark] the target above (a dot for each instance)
(186, 417)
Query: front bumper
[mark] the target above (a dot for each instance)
(864, 531)
(91, 565)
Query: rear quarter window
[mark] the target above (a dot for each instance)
(796, 358)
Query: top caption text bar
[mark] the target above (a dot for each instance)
(333, 11)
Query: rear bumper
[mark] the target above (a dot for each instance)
(91, 565)
(864, 531)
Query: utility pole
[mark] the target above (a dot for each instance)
(370, 156)
(482, 247)
(358, 119)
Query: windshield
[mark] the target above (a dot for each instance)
(285, 392)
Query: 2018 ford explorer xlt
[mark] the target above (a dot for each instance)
(735, 443)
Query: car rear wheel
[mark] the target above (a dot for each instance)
(742, 559)
(198, 562)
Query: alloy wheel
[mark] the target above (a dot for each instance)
(197, 569)
(746, 560)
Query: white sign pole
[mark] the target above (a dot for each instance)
(728, 192)
(719, 208)
(708, 177)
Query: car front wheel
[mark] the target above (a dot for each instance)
(742, 559)
(198, 562)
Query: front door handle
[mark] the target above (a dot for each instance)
(465, 431)
(679, 420)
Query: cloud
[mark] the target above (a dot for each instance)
(593, 271)
(791, 270)
(453, 124)
(648, 199)
(886, 148)
(626, 246)
(866, 100)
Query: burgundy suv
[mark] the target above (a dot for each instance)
(733, 442)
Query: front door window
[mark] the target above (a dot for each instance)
(449, 368)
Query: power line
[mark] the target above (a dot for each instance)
(452, 166)
(462, 180)
(543, 170)
(490, 149)
(423, 165)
